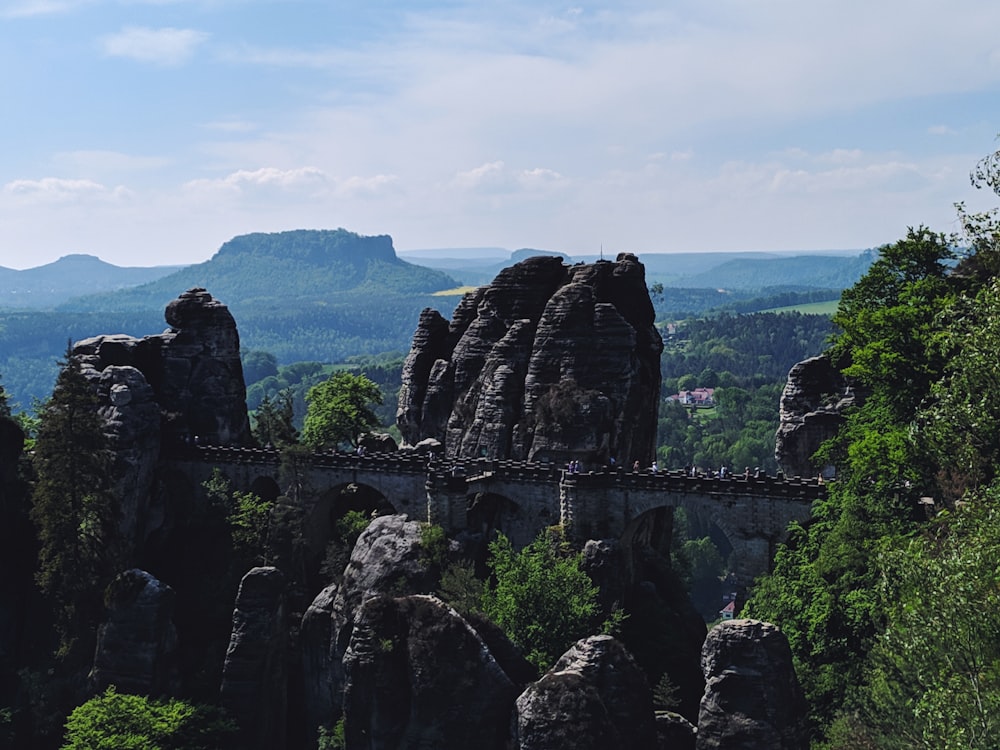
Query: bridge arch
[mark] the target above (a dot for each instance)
(334, 503)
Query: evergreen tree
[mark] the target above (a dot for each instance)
(274, 421)
(73, 506)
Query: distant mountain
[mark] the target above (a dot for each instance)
(70, 276)
(739, 270)
(311, 267)
(803, 271)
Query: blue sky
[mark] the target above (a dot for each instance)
(149, 132)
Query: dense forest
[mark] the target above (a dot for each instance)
(888, 595)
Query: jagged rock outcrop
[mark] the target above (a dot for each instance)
(595, 696)
(316, 650)
(419, 676)
(752, 696)
(137, 643)
(193, 368)
(253, 686)
(132, 423)
(388, 558)
(169, 387)
(546, 362)
(674, 732)
(604, 564)
(811, 411)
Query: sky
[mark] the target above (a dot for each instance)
(149, 132)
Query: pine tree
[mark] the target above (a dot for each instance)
(274, 421)
(73, 506)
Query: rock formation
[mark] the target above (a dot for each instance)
(254, 674)
(811, 411)
(595, 696)
(137, 644)
(752, 697)
(419, 676)
(169, 387)
(547, 362)
(193, 368)
(388, 558)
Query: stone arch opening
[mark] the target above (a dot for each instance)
(266, 488)
(488, 513)
(702, 547)
(323, 518)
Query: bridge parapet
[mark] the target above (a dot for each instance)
(754, 512)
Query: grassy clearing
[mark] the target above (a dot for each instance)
(809, 308)
(456, 292)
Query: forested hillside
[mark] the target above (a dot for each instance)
(301, 295)
(889, 594)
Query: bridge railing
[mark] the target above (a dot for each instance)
(509, 470)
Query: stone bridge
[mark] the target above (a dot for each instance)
(521, 498)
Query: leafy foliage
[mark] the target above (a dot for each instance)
(340, 410)
(119, 721)
(541, 597)
(935, 669)
(249, 523)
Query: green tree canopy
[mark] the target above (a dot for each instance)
(541, 597)
(339, 410)
(119, 721)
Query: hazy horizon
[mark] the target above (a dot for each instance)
(150, 132)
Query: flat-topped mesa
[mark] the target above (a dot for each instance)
(548, 362)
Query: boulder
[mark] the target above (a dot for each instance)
(419, 676)
(548, 362)
(595, 696)
(752, 696)
(253, 686)
(137, 643)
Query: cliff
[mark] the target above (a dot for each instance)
(547, 362)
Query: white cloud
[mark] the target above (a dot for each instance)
(167, 46)
(486, 176)
(55, 189)
(265, 178)
(540, 179)
(367, 186)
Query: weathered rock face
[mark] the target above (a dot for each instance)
(202, 374)
(548, 361)
(674, 732)
(253, 677)
(132, 421)
(388, 558)
(137, 644)
(419, 676)
(752, 697)
(811, 411)
(595, 696)
(193, 368)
